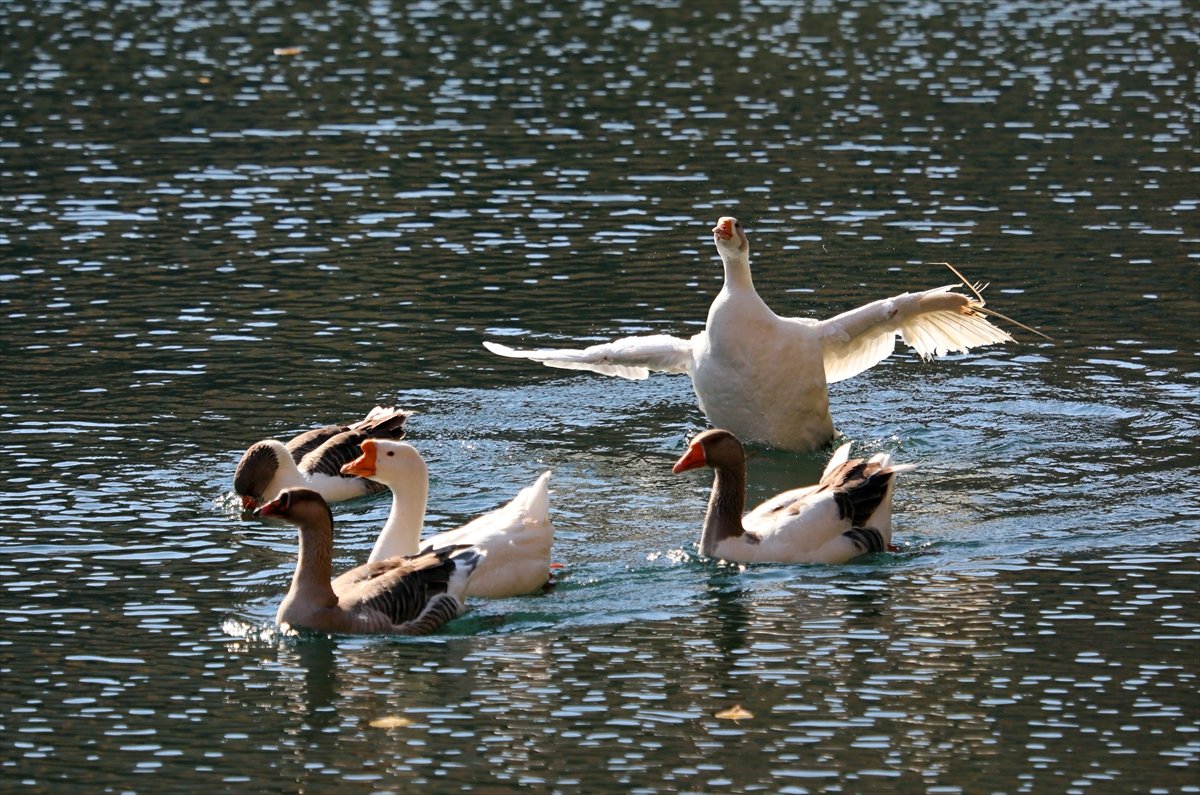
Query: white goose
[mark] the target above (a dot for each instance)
(847, 514)
(314, 460)
(765, 377)
(515, 539)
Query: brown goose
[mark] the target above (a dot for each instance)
(404, 596)
(765, 377)
(314, 460)
(847, 514)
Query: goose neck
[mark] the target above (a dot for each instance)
(401, 534)
(314, 565)
(725, 505)
(737, 271)
(287, 472)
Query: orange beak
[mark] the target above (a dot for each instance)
(364, 465)
(692, 459)
(248, 503)
(724, 228)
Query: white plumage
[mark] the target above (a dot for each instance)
(515, 538)
(765, 377)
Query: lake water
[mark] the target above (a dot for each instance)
(225, 221)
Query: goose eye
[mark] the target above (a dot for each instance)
(391, 453)
(738, 225)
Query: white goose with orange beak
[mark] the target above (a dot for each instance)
(515, 539)
(765, 377)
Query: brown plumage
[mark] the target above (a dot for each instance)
(403, 595)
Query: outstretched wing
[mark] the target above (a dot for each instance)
(934, 322)
(630, 357)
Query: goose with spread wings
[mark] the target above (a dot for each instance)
(765, 377)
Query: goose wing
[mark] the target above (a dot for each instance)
(516, 540)
(934, 322)
(401, 588)
(382, 421)
(629, 357)
(337, 450)
(304, 443)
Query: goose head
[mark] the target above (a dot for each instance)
(388, 462)
(256, 470)
(716, 448)
(730, 238)
(303, 507)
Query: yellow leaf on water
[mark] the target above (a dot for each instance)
(288, 50)
(736, 712)
(391, 722)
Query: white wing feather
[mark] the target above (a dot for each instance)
(934, 322)
(629, 357)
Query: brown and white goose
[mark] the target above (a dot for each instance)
(404, 596)
(765, 377)
(314, 460)
(847, 514)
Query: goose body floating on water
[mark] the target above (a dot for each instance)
(765, 377)
(314, 460)
(515, 538)
(847, 514)
(404, 596)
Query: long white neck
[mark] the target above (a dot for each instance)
(737, 269)
(408, 478)
(738, 304)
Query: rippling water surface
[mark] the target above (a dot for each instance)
(226, 221)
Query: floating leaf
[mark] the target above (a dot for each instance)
(391, 722)
(736, 712)
(288, 50)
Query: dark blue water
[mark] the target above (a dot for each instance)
(225, 221)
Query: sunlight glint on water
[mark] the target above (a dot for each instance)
(226, 222)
